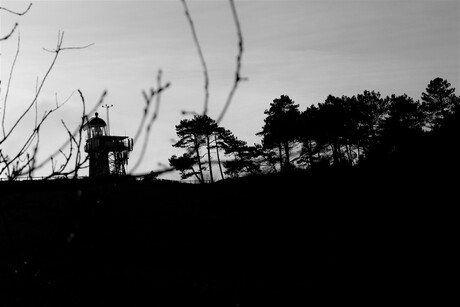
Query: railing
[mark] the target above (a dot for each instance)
(109, 143)
(194, 181)
(140, 178)
(27, 178)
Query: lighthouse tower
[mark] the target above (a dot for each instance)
(108, 155)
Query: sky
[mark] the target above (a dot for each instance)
(306, 49)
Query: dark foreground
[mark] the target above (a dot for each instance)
(338, 237)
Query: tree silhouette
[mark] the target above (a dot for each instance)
(222, 137)
(190, 139)
(438, 102)
(404, 114)
(372, 110)
(185, 165)
(401, 127)
(335, 127)
(244, 157)
(308, 136)
(281, 127)
(201, 131)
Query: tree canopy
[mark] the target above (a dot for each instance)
(341, 131)
(281, 127)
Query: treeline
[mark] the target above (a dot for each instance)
(341, 131)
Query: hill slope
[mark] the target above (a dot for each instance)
(335, 236)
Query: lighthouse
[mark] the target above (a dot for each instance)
(108, 154)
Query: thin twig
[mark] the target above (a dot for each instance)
(239, 56)
(16, 13)
(67, 158)
(68, 48)
(16, 24)
(57, 51)
(34, 155)
(78, 144)
(200, 54)
(25, 147)
(9, 34)
(8, 85)
(148, 99)
(76, 131)
(36, 104)
(78, 162)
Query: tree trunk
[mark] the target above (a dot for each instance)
(281, 157)
(196, 175)
(209, 157)
(357, 146)
(218, 158)
(310, 152)
(350, 159)
(197, 149)
(338, 149)
(335, 155)
(287, 156)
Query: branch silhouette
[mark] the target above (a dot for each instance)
(201, 56)
(17, 13)
(11, 32)
(16, 24)
(58, 49)
(17, 170)
(76, 131)
(239, 57)
(8, 85)
(148, 99)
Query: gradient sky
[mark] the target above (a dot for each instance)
(304, 49)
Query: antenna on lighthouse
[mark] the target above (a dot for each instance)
(108, 121)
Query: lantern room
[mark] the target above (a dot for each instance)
(96, 127)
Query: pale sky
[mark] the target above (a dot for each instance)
(305, 49)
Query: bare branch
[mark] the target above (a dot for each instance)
(16, 24)
(200, 54)
(238, 77)
(68, 48)
(11, 32)
(76, 131)
(16, 13)
(59, 47)
(148, 99)
(25, 147)
(71, 136)
(78, 164)
(34, 155)
(33, 101)
(78, 144)
(53, 62)
(4, 160)
(9, 84)
(36, 104)
(67, 158)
